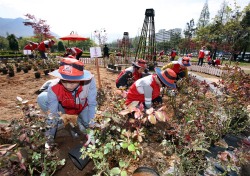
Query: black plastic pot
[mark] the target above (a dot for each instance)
(11, 73)
(37, 75)
(75, 156)
(141, 171)
(18, 69)
(25, 70)
(46, 72)
(5, 71)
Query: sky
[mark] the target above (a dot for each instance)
(115, 16)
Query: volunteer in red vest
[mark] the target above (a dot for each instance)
(45, 47)
(147, 89)
(74, 51)
(28, 50)
(131, 74)
(172, 54)
(73, 92)
(201, 56)
(32, 46)
(217, 62)
(179, 67)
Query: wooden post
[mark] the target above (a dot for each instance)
(98, 73)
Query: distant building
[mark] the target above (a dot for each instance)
(162, 35)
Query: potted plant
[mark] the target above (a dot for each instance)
(119, 68)
(37, 74)
(10, 68)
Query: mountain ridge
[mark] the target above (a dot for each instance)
(15, 26)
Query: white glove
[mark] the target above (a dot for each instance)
(171, 93)
(90, 140)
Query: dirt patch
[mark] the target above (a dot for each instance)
(26, 85)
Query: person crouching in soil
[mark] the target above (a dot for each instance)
(147, 89)
(73, 92)
(179, 67)
(131, 74)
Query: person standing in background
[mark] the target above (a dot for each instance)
(201, 56)
(172, 54)
(105, 53)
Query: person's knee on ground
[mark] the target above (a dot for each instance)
(42, 101)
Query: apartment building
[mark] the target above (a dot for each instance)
(162, 35)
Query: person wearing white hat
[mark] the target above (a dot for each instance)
(131, 74)
(179, 67)
(73, 92)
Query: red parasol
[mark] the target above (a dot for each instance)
(73, 37)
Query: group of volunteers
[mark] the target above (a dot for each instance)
(74, 92)
(45, 46)
(41, 47)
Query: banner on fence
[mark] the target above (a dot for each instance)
(95, 52)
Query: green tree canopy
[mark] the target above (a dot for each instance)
(13, 43)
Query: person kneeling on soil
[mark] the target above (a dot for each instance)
(179, 67)
(74, 93)
(131, 74)
(147, 89)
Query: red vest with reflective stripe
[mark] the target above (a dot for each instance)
(134, 95)
(72, 104)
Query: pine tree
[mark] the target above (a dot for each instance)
(204, 17)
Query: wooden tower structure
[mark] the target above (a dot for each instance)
(147, 46)
(125, 46)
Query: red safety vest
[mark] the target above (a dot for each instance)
(134, 95)
(72, 104)
(201, 54)
(177, 68)
(28, 47)
(173, 53)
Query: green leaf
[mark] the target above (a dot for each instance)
(124, 145)
(115, 171)
(201, 149)
(131, 148)
(4, 122)
(122, 163)
(106, 151)
(123, 173)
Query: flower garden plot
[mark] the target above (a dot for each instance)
(175, 143)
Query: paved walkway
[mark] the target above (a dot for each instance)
(209, 80)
